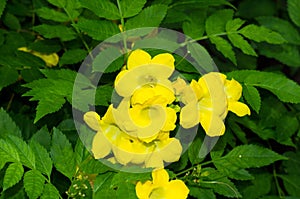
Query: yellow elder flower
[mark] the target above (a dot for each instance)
(50, 59)
(215, 96)
(161, 188)
(128, 149)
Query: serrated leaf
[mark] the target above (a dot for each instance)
(102, 186)
(224, 47)
(105, 58)
(203, 60)
(11, 21)
(241, 174)
(103, 8)
(285, 53)
(285, 28)
(239, 42)
(55, 31)
(26, 155)
(8, 76)
(42, 137)
(202, 193)
(50, 192)
(7, 125)
(58, 3)
(252, 97)
(291, 183)
(50, 14)
(217, 21)
(13, 175)
(8, 153)
(247, 156)
(42, 158)
(151, 16)
(260, 34)
(45, 46)
(293, 10)
(59, 84)
(234, 24)
(97, 29)
(131, 8)
(33, 183)
(72, 56)
(285, 89)
(156, 43)
(126, 191)
(2, 6)
(62, 154)
(195, 25)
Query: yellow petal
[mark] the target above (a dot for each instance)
(164, 59)
(143, 190)
(171, 119)
(233, 89)
(160, 177)
(141, 95)
(211, 123)
(198, 91)
(136, 58)
(181, 192)
(92, 119)
(239, 108)
(170, 150)
(101, 147)
(50, 59)
(108, 118)
(189, 115)
(154, 161)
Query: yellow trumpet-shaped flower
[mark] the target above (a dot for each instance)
(50, 59)
(161, 188)
(213, 97)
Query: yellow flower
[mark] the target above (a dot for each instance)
(161, 188)
(215, 96)
(129, 149)
(50, 59)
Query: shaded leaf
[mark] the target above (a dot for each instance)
(8, 76)
(7, 125)
(293, 10)
(252, 97)
(72, 56)
(55, 31)
(103, 8)
(217, 21)
(131, 7)
(50, 14)
(224, 47)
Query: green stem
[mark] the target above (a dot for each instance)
(123, 27)
(192, 168)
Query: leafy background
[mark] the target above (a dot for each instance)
(254, 41)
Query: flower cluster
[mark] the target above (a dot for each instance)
(137, 130)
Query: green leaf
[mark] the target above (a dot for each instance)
(42, 158)
(293, 10)
(217, 21)
(291, 183)
(7, 125)
(156, 43)
(252, 96)
(72, 56)
(239, 42)
(260, 34)
(59, 84)
(202, 193)
(247, 156)
(8, 76)
(131, 8)
(104, 95)
(103, 8)
(55, 31)
(285, 89)
(194, 150)
(260, 186)
(58, 3)
(13, 175)
(42, 137)
(50, 192)
(50, 14)
(25, 153)
(126, 191)
(285, 28)
(286, 54)
(234, 25)
(11, 21)
(202, 57)
(8, 152)
(45, 46)
(2, 6)
(62, 154)
(151, 16)
(102, 188)
(195, 25)
(33, 183)
(97, 29)
(224, 47)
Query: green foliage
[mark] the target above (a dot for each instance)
(42, 155)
